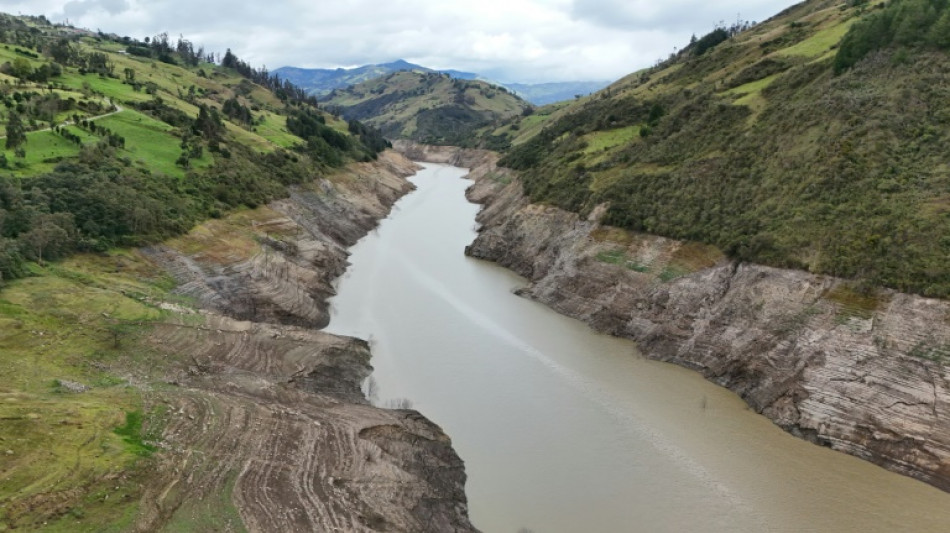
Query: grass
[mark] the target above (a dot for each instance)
(932, 351)
(820, 43)
(619, 257)
(65, 457)
(274, 129)
(44, 149)
(671, 273)
(753, 88)
(214, 514)
(852, 303)
(151, 142)
(601, 141)
(131, 434)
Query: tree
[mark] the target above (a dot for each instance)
(49, 238)
(16, 133)
(21, 68)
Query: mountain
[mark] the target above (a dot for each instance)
(428, 107)
(549, 93)
(321, 82)
(815, 140)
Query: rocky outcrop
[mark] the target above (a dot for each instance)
(300, 246)
(263, 423)
(864, 374)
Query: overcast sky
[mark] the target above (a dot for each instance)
(507, 40)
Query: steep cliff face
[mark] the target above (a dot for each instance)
(866, 375)
(264, 426)
(277, 264)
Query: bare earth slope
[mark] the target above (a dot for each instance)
(864, 376)
(265, 419)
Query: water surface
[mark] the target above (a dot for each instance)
(566, 430)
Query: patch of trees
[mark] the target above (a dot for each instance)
(283, 89)
(157, 108)
(326, 144)
(237, 112)
(32, 106)
(912, 24)
(451, 124)
(111, 138)
(68, 135)
(371, 137)
(99, 201)
(22, 69)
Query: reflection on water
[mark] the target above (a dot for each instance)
(566, 430)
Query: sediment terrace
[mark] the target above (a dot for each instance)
(264, 426)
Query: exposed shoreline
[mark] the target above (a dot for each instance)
(268, 415)
(867, 379)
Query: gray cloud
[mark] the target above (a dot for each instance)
(676, 15)
(509, 40)
(82, 8)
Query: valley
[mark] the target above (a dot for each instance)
(233, 301)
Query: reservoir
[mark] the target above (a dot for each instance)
(566, 430)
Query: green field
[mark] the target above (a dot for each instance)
(150, 142)
(44, 150)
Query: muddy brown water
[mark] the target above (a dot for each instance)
(563, 429)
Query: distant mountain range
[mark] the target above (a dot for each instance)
(430, 107)
(321, 82)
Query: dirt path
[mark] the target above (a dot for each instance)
(118, 109)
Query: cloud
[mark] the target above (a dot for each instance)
(82, 8)
(676, 15)
(508, 40)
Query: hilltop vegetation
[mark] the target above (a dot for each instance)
(321, 81)
(115, 142)
(432, 108)
(815, 140)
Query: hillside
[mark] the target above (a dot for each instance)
(426, 107)
(191, 139)
(550, 93)
(321, 81)
(814, 140)
(150, 389)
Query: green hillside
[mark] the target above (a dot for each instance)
(109, 141)
(427, 107)
(815, 140)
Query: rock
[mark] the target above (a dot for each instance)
(72, 387)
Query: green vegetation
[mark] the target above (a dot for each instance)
(915, 24)
(105, 149)
(758, 147)
(63, 462)
(131, 433)
(427, 107)
(109, 149)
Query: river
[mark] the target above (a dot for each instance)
(563, 429)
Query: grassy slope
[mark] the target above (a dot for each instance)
(147, 140)
(63, 467)
(426, 107)
(62, 462)
(761, 150)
